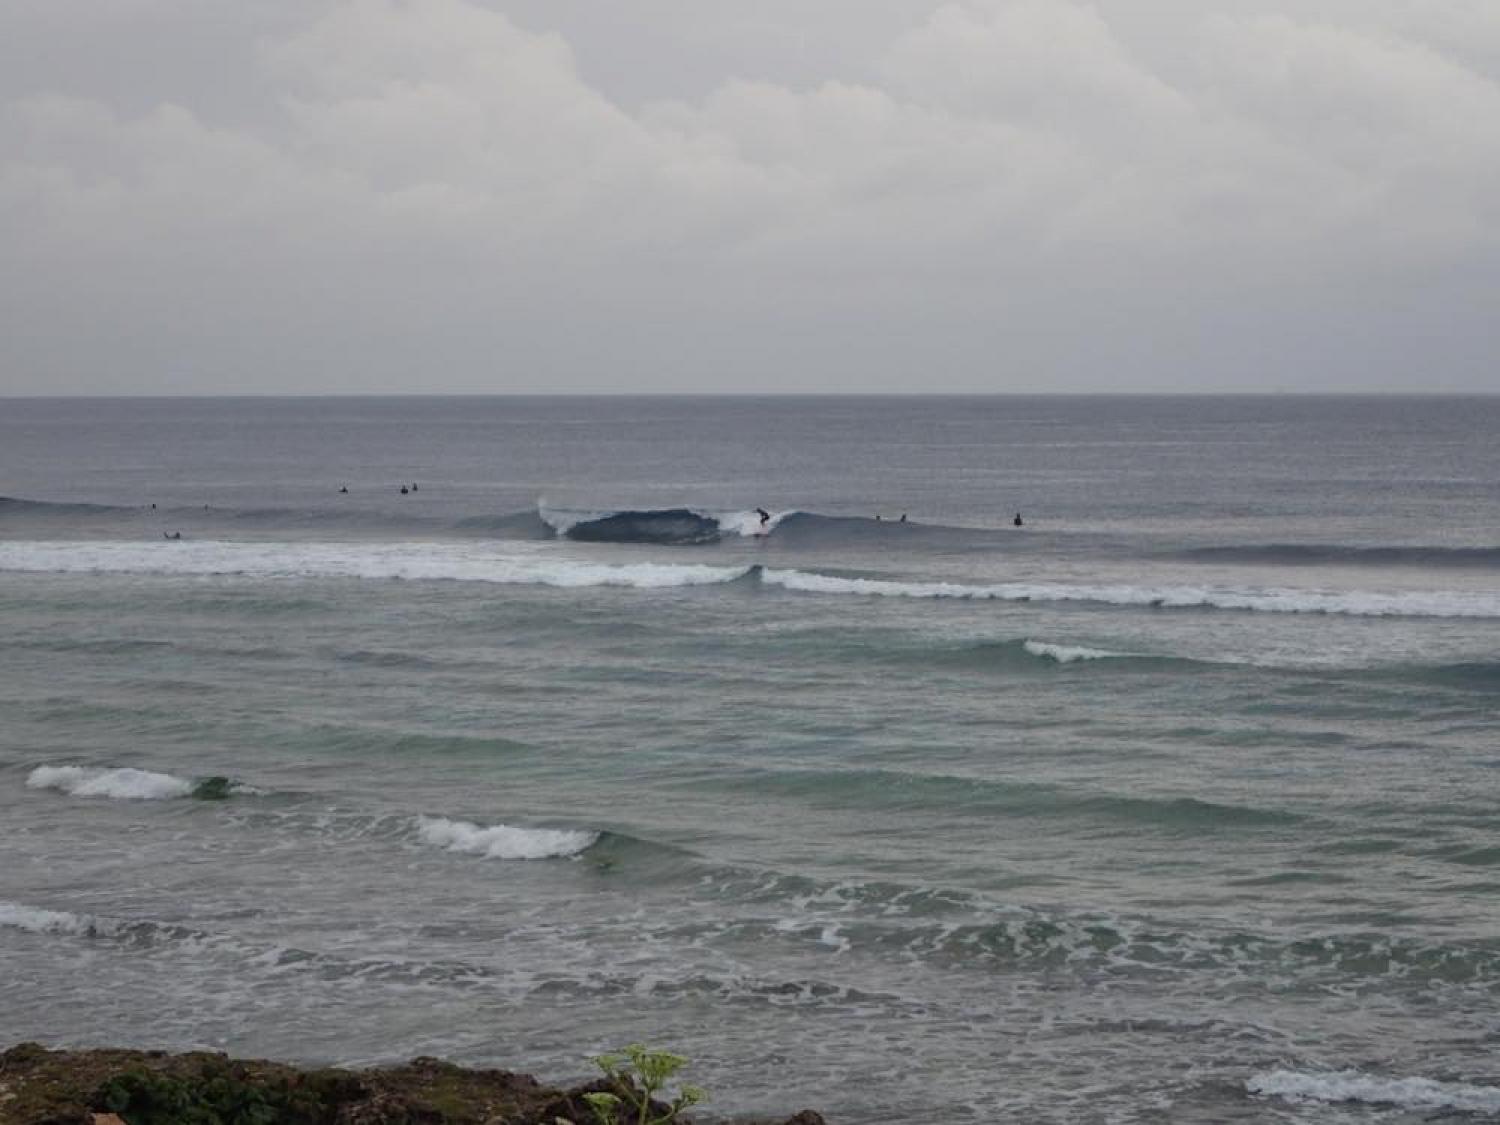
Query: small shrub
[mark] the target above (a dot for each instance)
(216, 1097)
(639, 1075)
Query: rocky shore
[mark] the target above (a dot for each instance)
(119, 1087)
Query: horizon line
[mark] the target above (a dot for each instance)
(228, 395)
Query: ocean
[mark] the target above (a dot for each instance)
(1178, 803)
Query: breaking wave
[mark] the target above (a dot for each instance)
(1034, 655)
(1352, 1086)
(659, 526)
(1357, 603)
(1070, 654)
(502, 841)
(417, 561)
(133, 784)
(534, 565)
(36, 920)
(128, 783)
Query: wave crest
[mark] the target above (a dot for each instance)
(1069, 654)
(128, 783)
(502, 841)
(124, 782)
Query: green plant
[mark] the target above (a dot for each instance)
(639, 1074)
(217, 1096)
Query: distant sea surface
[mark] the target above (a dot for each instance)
(1178, 803)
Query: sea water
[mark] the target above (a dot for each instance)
(1179, 802)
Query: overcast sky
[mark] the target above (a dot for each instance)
(330, 196)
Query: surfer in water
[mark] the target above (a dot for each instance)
(1017, 521)
(765, 518)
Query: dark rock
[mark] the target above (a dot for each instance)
(42, 1087)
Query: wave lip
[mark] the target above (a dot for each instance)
(1352, 1086)
(123, 782)
(503, 841)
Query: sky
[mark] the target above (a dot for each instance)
(874, 196)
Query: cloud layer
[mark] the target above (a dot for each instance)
(995, 195)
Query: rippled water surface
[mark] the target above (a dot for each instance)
(1178, 803)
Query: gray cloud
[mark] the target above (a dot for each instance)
(980, 195)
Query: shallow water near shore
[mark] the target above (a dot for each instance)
(1177, 803)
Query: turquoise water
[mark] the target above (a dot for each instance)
(1176, 804)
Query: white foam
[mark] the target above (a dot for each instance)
(502, 841)
(1352, 1086)
(507, 564)
(131, 784)
(1068, 654)
(1359, 603)
(748, 523)
(35, 920)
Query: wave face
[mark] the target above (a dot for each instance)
(503, 841)
(669, 527)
